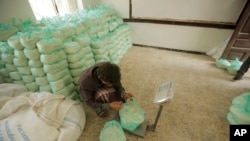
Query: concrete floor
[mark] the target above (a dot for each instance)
(202, 97)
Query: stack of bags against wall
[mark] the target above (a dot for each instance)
(50, 54)
(120, 42)
(6, 62)
(32, 72)
(112, 44)
(6, 52)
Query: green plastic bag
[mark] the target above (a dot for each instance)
(235, 66)
(112, 131)
(131, 115)
(222, 63)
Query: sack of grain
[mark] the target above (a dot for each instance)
(20, 62)
(35, 63)
(4, 72)
(77, 64)
(37, 72)
(67, 90)
(32, 54)
(41, 81)
(49, 45)
(86, 50)
(83, 40)
(19, 54)
(71, 47)
(45, 88)
(53, 57)
(58, 75)
(53, 68)
(32, 86)
(25, 70)
(6, 31)
(10, 67)
(75, 57)
(14, 42)
(28, 78)
(77, 72)
(20, 82)
(29, 39)
(7, 58)
(15, 75)
(61, 83)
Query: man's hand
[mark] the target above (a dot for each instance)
(116, 105)
(128, 95)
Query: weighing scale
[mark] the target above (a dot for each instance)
(163, 94)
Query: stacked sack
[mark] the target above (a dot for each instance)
(50, 54)
(7, 66)
(86, 56)
(32, 68)
(7, 53)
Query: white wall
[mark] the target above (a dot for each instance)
(178, 37)
(202, 10)
(18, 9)
(175, 36)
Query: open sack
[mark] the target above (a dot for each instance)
(112, 131)
(38, 116)
(131, 115)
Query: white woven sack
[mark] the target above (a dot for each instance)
(53, 57)
(35, 63)
(41, 81)
(61, 83)
(14, 42)
(20, 62)
(7, 58)
(19, 54)
(53, 68)
(32, 54)
(71, 47)
(49, 45)
(37, 72)
(29, 39)
(58, 75)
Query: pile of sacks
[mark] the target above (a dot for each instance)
(231, 66)
(49, 55)
(38, 116)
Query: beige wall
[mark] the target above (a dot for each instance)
(18, 9)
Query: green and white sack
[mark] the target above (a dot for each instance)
(53, 68)
(58, 75)
(35, 63)
(20, 62)
(37, 72)
(49, 45)
(14, 42)
(71, 47)
(32, 54)
(41, 81)
(19, 54)
(53, 57)
(112, 131)
(61, 83)
(29, 39)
